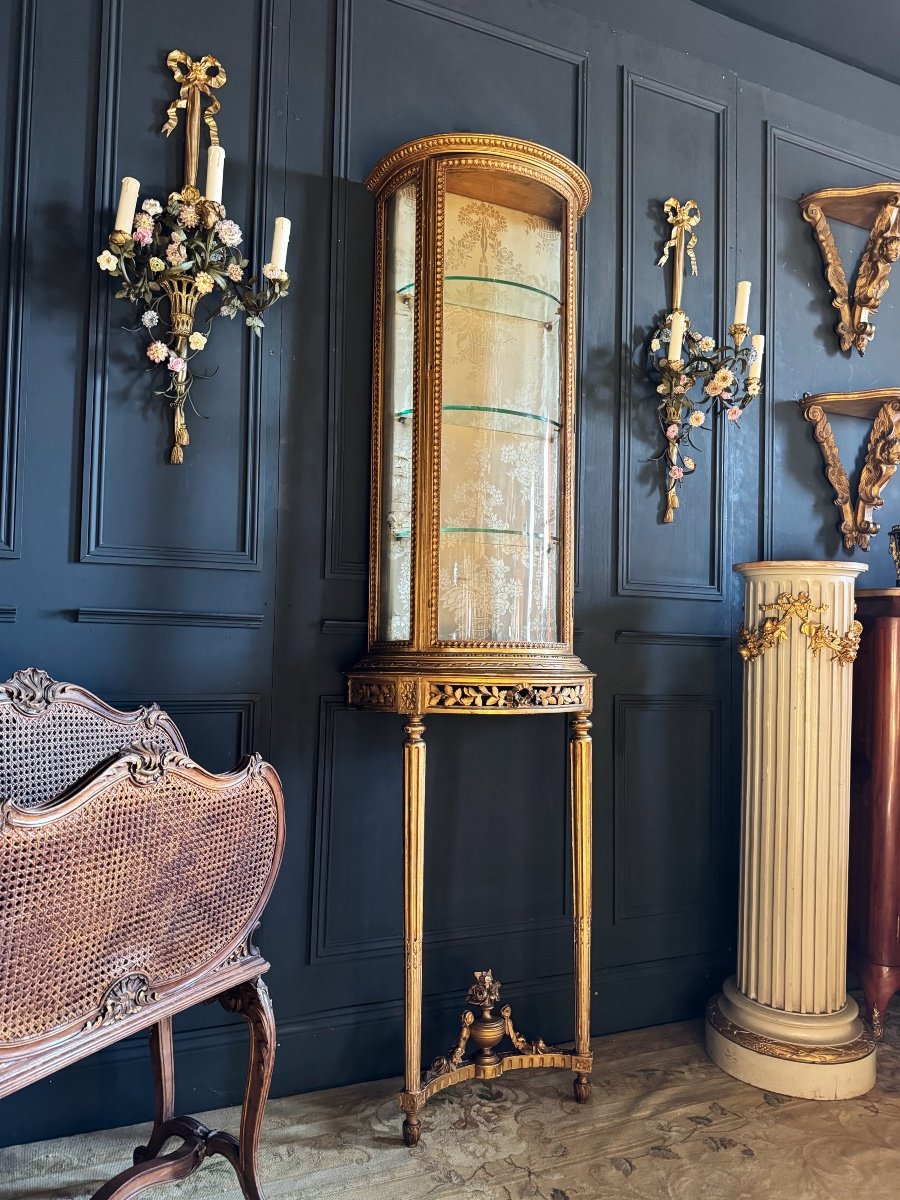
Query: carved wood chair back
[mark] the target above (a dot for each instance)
(127, 897)
(52, 734)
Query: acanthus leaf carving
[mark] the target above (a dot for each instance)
(150, 715)
(876, 208)
(882, 458)
(148, 764)
(122, 999)
(486, 696)
(882, 250)
(256, 765)
(834, 270)
(376, 693)
(31, 691)
(243, 950)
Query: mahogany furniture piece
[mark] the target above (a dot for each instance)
(131, 882)
(874, 913)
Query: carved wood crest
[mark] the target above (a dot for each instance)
(877, 209)
(882, 408)
(148, 764)
(31, 691)
(122, 999)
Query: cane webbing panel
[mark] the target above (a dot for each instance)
(43, 755)
(155, 879)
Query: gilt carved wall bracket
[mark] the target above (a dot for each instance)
(882, 407)
(877, 209)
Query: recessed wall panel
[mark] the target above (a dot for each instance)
(661, 123)
(667, 786)
(138, 508)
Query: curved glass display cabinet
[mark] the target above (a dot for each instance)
(470, 593)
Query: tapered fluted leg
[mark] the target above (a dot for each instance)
(582, 794)
(413, 865)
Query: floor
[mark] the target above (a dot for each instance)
(664, 1123)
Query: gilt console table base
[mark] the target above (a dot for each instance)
(418, 1089)
(471, 551)
(467, 693)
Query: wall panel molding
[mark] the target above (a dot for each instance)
(159, 616)
(339, 562)
(629, 583)
(7, 615)
(346, 627)
(94, 544)
(16, 189)
(245, 706)
(650, 637)
(628, 988)
(319, 1021)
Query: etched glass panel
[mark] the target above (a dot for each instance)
(501, 418)
(397, 419)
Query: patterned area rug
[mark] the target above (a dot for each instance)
(664, 1123)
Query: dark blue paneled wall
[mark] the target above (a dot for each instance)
(261, 535)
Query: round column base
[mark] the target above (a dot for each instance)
(787, 1060)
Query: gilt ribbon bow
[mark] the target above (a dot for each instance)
(197, 75)
(682, 217)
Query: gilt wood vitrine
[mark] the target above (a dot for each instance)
(470, 593)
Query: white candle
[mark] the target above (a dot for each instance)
(677, 335)
(742, 303)
(280, 240)
(127, 204)
(215, 168)
(758, 342)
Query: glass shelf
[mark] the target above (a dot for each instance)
(470, 531)
(500, 339)
(404, 413)
(505, 298)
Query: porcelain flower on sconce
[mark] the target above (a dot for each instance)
(696, 378)
(171, 257)
(705, 379)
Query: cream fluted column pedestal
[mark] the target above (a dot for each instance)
(785, 1022)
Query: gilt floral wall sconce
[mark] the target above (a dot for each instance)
(882, 407)
(875, 208)
(187, 249)
(680, 359)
